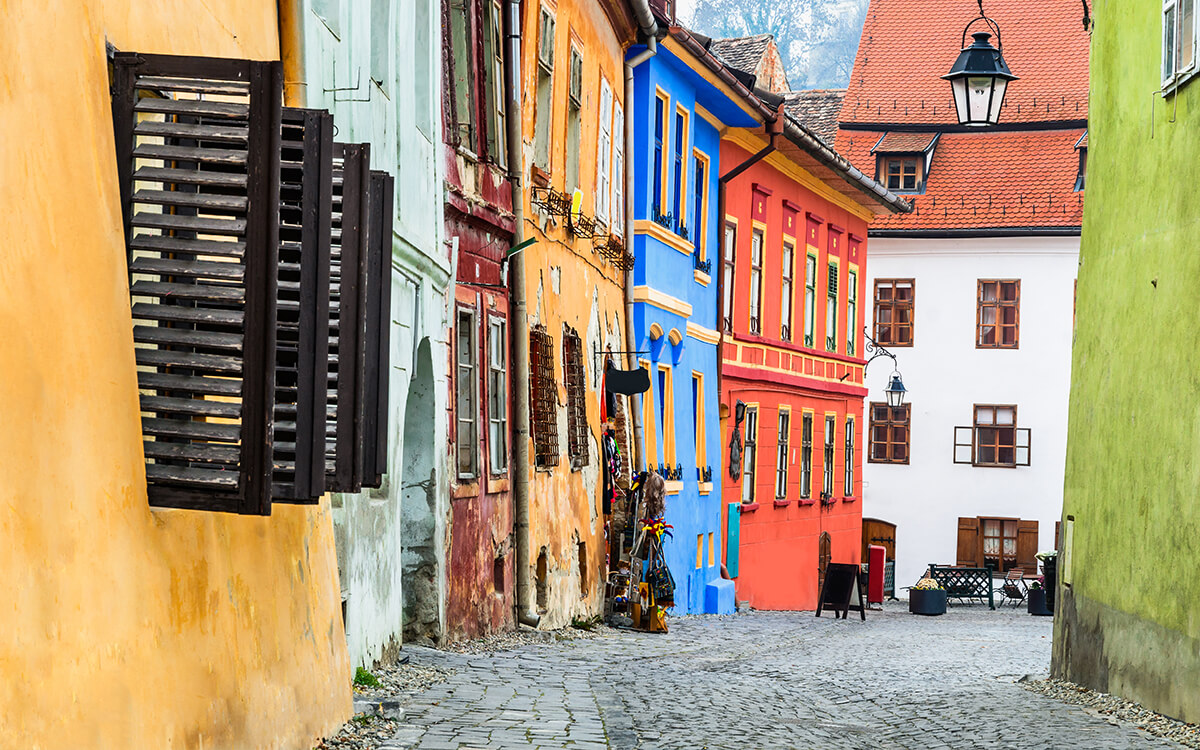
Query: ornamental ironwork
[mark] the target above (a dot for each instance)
(703, 266)
(704, 474)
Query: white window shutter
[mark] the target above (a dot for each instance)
(604, 153)
(618, 180)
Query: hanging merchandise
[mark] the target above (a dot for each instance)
(735, 442)
(640, 586)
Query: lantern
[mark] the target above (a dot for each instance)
(979, 79)
(895, 391)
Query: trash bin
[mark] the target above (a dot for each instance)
(1050, 571)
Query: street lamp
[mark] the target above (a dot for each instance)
(895, 391)
(980, 76)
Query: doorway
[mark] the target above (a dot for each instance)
(824, 552)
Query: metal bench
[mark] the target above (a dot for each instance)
(964, 583)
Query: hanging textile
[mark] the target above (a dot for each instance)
(626, 382)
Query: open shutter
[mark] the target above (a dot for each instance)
(197, 143)
(1027, 541)
(969, 552)
(302, 340)
(964, 445)
(377, 340)
(347, 317)
(1023, 438)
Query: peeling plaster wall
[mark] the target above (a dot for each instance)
(127, 627)
(375, 65)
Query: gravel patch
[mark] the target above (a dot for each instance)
(490, 644)
(1117, 710)
(397, 684)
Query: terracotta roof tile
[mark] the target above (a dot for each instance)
(817, 110)
(907, 45)
(991, 179)
(898, 143)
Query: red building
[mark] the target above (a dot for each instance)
(793, 303)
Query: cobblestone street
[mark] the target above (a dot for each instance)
(764, 680)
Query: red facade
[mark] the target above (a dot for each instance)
(799, 382)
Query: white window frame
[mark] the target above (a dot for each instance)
(497, 385)
(466, 367)
(618, 171)
(604, 153)
(1178, 75)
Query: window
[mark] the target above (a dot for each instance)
(993, 440)
(727, 261)
(785, 292)
(889, 433)
(649, 422)
(700, 205)
(574, 120)
(848, 460)
(756, 272)
(1179, 41)
(234, 415)
(806, 448)
(699, 551)
(679, 206)
(998, 314)
(999, 543)
(660, 132)
(424, 59)
(748, 455)
(604, 153)
(543, 412)
(894, 300)
(851, 311)
(462, 73)
(497, 397)
(1081, 178)
(830, 442)
(545, 91)
(618, 171)
(781, 455)
(831, 310)
(493, 41)
(666, 413)
(810, 299)
(466, 405)
(573, 377)
(902, 173)
(698, 420)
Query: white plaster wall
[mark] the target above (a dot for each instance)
(945, 375)
(375, 64)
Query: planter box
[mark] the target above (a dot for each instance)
(931, 602)
(1035, 603)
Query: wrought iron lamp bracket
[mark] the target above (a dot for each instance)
(876, 350)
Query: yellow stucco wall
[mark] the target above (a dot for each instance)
(568, 283)
(125, 627)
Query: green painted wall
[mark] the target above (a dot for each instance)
(1133, 454)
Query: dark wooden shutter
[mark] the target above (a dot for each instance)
(377, 341)
(347, 317)
(302, 340)
(1027, 541)
(969, 552)
(197, 143)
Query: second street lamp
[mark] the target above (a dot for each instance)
(979, 77)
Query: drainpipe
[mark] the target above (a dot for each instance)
(518, 328)
(774, 129)
(650, 29)
(291, 53)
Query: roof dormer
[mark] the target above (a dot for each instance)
(902, 160)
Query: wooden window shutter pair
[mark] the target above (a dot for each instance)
(226, 201)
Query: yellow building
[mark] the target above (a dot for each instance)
(573, 136)
(126, 626)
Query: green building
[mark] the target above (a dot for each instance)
(1128, 614)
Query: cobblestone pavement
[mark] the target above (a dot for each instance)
(764, 680)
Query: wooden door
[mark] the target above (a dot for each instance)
(880, 533)
(970, 551)
(824, 552)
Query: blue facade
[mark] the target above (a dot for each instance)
(676, 163)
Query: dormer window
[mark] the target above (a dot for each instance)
(903, 173)
(1082, 147)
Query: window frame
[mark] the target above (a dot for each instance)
(573, 142)
(471, 377)
(833, 289)
(681, 123)
(851, 311)
(830, 456)
(1173, 39)
(544, 90)
(543, 426)
(604, 145)
(618, 170)
(575, 383)
(885, 332)
(699, 428)
(902, 161)
(891, 424)
(783, 429)
(750, 454)
(497, 387)
(729, 272)
(700, 171)
(666, 411)
(755, 323)
(787, 288)
(999, 304)
(967, 440)
(806, 446)
(810, 300)
(848, 458)
(662, 103)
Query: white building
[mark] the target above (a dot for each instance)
(973, 291)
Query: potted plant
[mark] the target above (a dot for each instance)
(1035, 601)
(927, 598)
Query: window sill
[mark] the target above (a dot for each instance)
(805, 501)
(1180, 80)
(782, 503)
(674, 487)
(745, 508)
(701, 277)
(704, 487)
(465, 487)
(849, 499)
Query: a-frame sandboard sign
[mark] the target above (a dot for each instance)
(841, 582)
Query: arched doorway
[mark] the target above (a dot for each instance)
(418, 512)
(824, 552)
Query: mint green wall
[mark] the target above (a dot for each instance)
(1133, 454)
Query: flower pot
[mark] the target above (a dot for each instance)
(927, 602)
(1035, 602)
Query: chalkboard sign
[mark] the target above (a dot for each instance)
(841, 582)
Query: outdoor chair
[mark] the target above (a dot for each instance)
(1014, 587)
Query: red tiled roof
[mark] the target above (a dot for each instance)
(907, 45)
(986, 179)
(899, 143)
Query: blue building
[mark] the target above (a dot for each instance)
(683, 97)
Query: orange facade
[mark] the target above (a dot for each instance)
(791, 376)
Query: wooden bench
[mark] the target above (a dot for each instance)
(964, 583)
